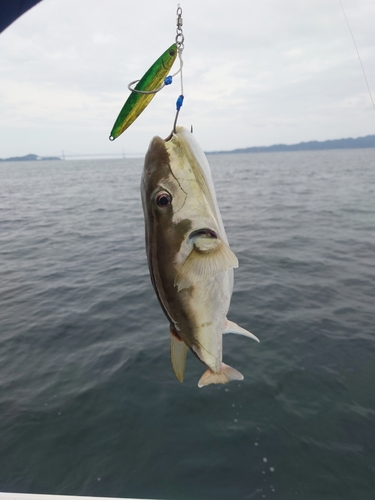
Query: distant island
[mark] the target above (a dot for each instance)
(30, 158)
(360, 142)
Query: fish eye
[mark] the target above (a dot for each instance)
(172, 52)
(163, 200)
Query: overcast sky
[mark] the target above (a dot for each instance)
(255, 73)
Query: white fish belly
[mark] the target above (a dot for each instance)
(206, 307)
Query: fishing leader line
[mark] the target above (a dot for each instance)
(151, 83)
(180, 47)
(168, 80)
(359, 57)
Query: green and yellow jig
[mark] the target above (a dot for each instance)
(151, 82)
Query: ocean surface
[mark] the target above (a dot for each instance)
(89, 404)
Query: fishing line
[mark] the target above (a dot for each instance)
(180, 47)
(359, 57)
(155, 76)
(168, 80)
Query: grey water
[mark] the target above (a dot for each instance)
(89, 404)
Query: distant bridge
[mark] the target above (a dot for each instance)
(64, 156)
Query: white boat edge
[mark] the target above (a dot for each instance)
(36, 496)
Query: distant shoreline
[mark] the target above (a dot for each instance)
(359, 143)
(31, 157)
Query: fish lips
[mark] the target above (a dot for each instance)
(205, 232)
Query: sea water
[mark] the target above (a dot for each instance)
(89, 404)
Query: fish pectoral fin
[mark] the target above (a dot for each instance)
(226, 374)
(234, 328)
(203, 264)
(178, 355)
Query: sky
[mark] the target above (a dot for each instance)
(256, 73)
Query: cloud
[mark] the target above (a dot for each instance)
(256, 74)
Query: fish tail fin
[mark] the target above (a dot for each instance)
(226, 374)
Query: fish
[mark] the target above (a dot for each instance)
(189, 258)
(136, 102)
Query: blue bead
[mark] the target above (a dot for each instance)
(179, 102)
(168, 80)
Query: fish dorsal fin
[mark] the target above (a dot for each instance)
(234, 328)
(207, 258)
(178, 355)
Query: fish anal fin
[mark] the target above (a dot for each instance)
(178, 355)
(232, 327)
(226, 374)
(203, 263)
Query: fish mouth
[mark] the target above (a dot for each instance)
(205, 232)
(205, 240)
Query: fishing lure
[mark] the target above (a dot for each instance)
(152, 81)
